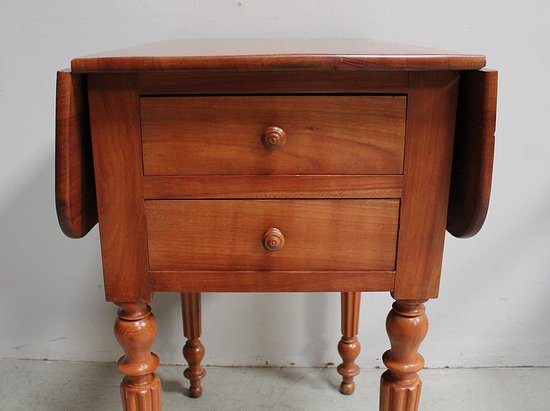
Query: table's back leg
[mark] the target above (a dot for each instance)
(400, 385)
(193, 351)
(349, 346)
(135, 330)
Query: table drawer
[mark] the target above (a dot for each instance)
(299, 134)
(272, 234)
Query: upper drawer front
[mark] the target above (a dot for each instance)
(242, 234)
(353, 134)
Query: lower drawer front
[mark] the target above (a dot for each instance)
(250, 235)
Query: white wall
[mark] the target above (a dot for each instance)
(494, 307)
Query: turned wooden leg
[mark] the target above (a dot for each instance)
(193, 351)
(400, 385)
(349, 346)
(135, 330)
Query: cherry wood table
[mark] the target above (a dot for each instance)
(274, 165)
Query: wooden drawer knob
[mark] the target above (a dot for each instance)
(274, 239)
(274, 138)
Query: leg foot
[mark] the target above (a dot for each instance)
(193, 351)
(135, 330)
(141, 395)
(400, 385)
(349, 346)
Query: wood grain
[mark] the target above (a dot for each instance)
(193, 350)
(272, 82)
(114, 106)
(193, 197)
(349, 346)
(269, 54)
(135, 330)
(272, 281)
(268, 186)
(400, 385)
(473, 152)
(427, 171)
(228, 234)
(223, 134)
(75, 198)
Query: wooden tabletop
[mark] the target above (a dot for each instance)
(281, 54)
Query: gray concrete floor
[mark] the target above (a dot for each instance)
(58, 385)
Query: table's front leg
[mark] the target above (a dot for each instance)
(135, 330)
(400, 385)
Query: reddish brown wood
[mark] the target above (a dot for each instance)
(74, 171)
(213, 235)
(427, 171)
(135, 330)
(270, 186)
(208, 110)
(116, 144)
(268, 54)
(400, 385)
(272, 281)
(473, 152)
(272, 82)
(193, 351)
(274, 138)
(349, 346)
(224, 134)
(273, 239)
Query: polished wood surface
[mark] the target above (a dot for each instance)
(272, 281)
(193, 350)
(270, 186)
(274, 138)
(349, 346)
(227, 234)
(400, 385)
(273, 239)
(74, 170)
(268, 54)
(226, 135)
(276, 165)
(473, 152)
(116, 144)
(428, 156)
(272, 82)
(135, 330)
